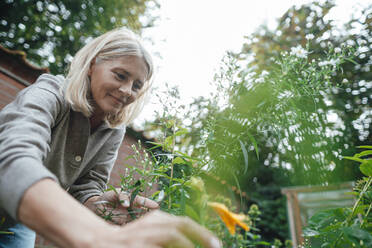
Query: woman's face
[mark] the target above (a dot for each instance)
(116, 83)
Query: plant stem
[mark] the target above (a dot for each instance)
(348, 220)
(171, 176)
(370, 205)
(369, 209)
(366, 186)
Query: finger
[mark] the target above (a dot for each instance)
(197, 233)
(124, 198)
(141, 201)
(186, 226)
(174, 239)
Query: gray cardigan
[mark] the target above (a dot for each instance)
(42, 137)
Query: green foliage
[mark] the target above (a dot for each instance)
(348, 101)
(346, 227)
(269, 100)
(268, 123)
(183, 192)
(51, 32)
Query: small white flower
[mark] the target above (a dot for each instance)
(363, 49)
(333, 62)
(264, 73)
(285, 94)
(362, 42)
(337, 50)
(350, 43)
(323, 63)
(260, 80)
(309, 36)
(160, 196)
(299, 52)
(345, 81)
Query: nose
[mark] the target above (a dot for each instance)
(126, 89)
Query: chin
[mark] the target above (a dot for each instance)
(114, 111)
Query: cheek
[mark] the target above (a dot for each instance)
(133, 98)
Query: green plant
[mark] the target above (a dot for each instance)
(347, 227)
(178, 178)
(267, 100)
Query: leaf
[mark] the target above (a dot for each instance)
(181, 132)
(183, 202)
(178, 160)
(309, 232)
(245, 154)
(364, 153)
(238, 185)
(354, 159)
(366, 168)
(110, 187)
(154, 143)
(366, 147)
(254, 142)
(262, 243)
(359, 236)
(161, 196)
(175, 185)
(184, 155)
(170, 123)
(168, 142)
(352, 61)
(368, 195)
(322, 219)
(191, 213)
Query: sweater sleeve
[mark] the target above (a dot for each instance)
(94, 182)
(25, 133)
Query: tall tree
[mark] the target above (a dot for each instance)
(51, 32)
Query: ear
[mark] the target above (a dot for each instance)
(92, 63)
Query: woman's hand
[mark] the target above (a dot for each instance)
(49, 210)
(156, 230)
(116, 206)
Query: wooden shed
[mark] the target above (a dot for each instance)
(304, 201)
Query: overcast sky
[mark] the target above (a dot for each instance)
(193, 35)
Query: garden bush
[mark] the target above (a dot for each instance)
(274, 102)
(349, 226)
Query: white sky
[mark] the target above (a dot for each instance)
(193, 35)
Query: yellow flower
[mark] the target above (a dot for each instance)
(229, 218)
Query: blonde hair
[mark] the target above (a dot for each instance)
(111, 45)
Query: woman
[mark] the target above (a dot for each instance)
(63, 135)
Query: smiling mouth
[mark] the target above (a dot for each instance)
(117, 100)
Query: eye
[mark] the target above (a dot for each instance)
(137, 85)
(120, 76)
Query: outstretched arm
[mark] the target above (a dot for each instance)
(50, 211)
(57, 216)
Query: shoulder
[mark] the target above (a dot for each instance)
(46, 90)
(50, 83)
(117, 133)
(43, 96)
